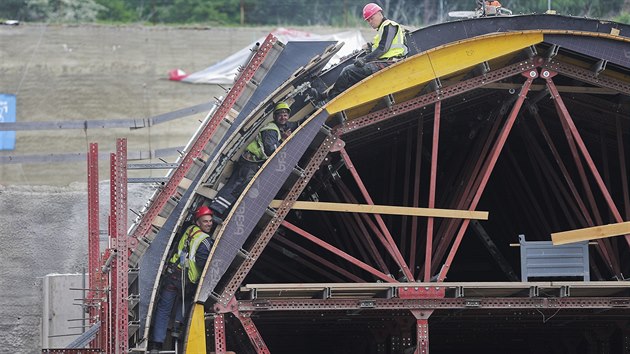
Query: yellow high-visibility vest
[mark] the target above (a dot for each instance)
(256, 146)
(398, 47)
(194, 236)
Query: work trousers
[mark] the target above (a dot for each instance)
(352, 74)
(170, 299)
(243, 172)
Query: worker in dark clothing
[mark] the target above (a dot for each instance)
(181, 277)
(389, 46)
(266, 142)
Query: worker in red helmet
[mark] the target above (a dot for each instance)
(267, 140)
(181, 277)
(389, 45)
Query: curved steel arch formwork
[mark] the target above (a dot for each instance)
(525, 117)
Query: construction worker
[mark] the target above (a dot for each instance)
(389, 46)
(181, 277)
(267, 141)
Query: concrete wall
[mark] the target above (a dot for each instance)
(62, 313)
(43, 230)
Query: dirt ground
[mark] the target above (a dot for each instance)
(61, 73)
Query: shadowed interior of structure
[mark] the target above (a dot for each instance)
(531, 191)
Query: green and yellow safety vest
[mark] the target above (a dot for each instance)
(256, 147)
(188, 245)
(398, 47)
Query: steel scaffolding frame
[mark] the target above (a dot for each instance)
(113, 336)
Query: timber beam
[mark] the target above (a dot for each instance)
(385, 209)
(591, 233)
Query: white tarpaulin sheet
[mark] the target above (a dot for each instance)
(225, 71)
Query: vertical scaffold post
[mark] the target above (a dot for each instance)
(120, 265)
(422, 330)
(94, 283)
(220, 346)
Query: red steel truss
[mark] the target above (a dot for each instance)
(420, 302)
(179, 173)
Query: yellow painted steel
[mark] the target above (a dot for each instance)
(196, 340)
(429, 65)
(591, 233)
(385, 209)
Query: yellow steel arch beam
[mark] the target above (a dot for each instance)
(426, 66)
(196, 336)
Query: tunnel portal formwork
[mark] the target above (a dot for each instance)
(525, 118)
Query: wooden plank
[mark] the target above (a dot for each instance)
(386, 209)
(159, 221)
(591, 233)
(185, 183)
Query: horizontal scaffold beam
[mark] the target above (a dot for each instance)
(457, 295)
(386, 209)
(445, 303)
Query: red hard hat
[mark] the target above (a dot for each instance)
(203, 210)
(370, 9)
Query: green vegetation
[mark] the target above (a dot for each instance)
(280, 12)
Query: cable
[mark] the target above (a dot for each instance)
(550, 317)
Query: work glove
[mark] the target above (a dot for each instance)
(359, 62)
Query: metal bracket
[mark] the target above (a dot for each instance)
(298, 171)
(367, 304)
(270, 212)
(483, 68)
(531, 51)
(473, 303)
(565, 291)
(552, 52)
(334, 169)
(389, 100)
(230, 307)
(243, 253)
(427, 292)
(435, 84)
(459, 292)
(599, 66)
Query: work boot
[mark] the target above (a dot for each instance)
(316, 95)
(177, 330)
(312, 94)
(154, 347)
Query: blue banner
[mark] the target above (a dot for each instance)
(7, 115)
